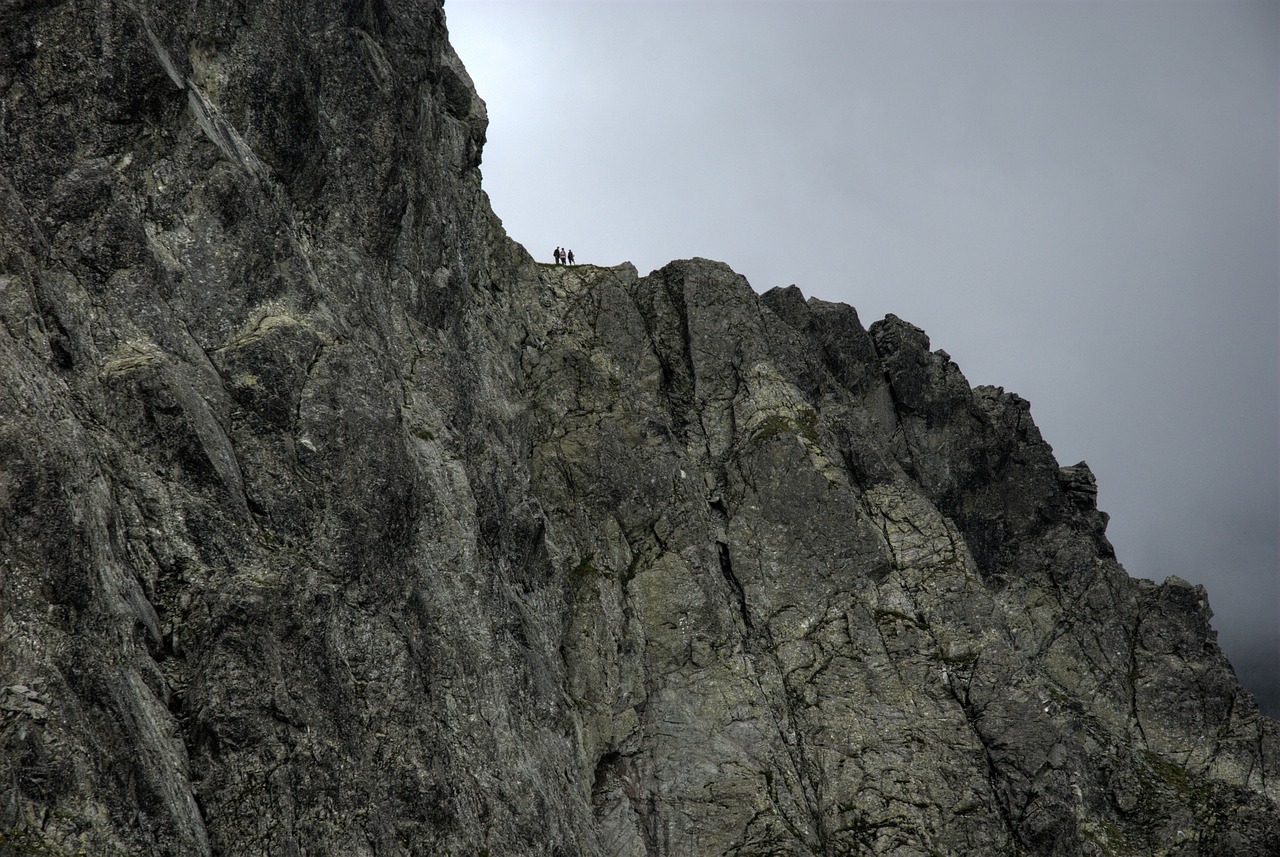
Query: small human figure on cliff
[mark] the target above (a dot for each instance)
(557, 255)
(570, 255)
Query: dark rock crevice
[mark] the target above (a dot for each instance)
(332, 523)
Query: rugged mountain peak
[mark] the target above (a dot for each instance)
(332, 523)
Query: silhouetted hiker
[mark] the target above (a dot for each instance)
(570, 255)
(559, 255)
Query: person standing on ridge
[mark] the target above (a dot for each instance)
(557, 255)
(569, 253)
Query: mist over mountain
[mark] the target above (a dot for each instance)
(1077, 200)
(333, 523)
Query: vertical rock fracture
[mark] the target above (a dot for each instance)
(332, 523)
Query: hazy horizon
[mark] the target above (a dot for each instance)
(1080, 202)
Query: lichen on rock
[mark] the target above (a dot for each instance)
(332, 523)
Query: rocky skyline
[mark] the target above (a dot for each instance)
(1079, 202)
(333, 523)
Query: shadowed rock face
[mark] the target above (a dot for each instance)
(330, 523)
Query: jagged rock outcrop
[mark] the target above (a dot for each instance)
(331, 523)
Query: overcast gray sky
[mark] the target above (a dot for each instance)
(1077, 200)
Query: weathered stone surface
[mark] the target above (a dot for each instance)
(330, 523)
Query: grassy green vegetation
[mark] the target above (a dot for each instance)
(804, 424)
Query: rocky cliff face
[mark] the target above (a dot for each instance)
(331, 523)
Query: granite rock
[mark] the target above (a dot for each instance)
(332, 523)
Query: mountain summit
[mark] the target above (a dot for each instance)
(331, 523)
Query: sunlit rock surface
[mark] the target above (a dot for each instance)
(332, 524)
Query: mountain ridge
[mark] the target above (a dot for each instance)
(335, 524)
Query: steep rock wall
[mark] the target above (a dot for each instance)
(330, 523)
